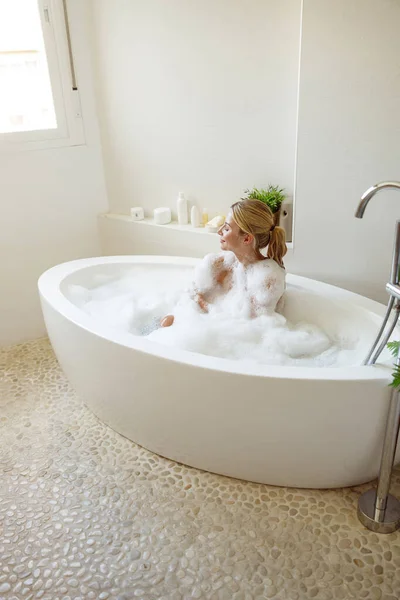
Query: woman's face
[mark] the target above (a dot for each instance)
(231, 238)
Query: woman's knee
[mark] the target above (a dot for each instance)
(167, 321)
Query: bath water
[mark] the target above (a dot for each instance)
(311, 331)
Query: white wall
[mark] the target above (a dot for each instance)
(348, 119)
(196, 96)
(348, 139)
(49, 200)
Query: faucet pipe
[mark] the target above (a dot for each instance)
(368, 360)
(367, 195)
(386, 337)
(377, 509)
(388, 454)
(394, 273)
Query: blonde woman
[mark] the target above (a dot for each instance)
(241, 271)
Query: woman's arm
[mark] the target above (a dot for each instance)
(209, 275)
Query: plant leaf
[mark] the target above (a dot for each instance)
(396, 377)
(273, 196)
(394, 348)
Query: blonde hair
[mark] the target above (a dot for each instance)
(256, 218)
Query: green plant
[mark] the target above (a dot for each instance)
(273, 196)
(394, 348)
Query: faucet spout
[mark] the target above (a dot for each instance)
(367, 195)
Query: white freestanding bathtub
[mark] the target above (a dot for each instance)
(286, 426)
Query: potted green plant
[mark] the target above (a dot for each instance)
(273, 197)
(394, 348)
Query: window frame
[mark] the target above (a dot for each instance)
(67, 106)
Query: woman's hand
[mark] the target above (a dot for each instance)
(201, 302)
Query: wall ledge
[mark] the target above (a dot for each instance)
(173, 226)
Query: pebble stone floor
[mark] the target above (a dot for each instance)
(87, 514)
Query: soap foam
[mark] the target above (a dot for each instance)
(136, 304)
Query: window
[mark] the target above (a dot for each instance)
(39, 99)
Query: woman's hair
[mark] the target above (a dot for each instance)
(256, 218)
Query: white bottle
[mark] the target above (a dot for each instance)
(195, 217)
(182, 209)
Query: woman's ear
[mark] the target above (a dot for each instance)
(248, 239)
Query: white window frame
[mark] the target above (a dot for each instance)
(57, 42)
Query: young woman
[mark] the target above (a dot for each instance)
(241, 269)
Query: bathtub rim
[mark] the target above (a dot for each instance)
(49, 285)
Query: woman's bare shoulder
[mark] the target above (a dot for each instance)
(271, 270)
(269, 264)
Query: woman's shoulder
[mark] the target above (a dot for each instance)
(269, 267)
(270, 263)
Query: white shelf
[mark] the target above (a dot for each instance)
(150, 222)
(173, 226)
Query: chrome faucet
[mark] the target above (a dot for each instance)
(377, 509)
(366, 197)
(392, 287)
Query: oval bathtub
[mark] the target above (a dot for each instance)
(285, 426)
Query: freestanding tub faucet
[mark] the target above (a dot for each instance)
(377, 509)
(394, 274)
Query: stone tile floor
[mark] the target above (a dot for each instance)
(87, 514)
